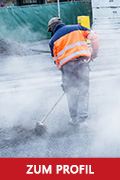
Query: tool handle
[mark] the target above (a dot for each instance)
(39, 51)
(42, 121)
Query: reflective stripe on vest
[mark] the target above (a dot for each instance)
(71, 46)
(73, 55)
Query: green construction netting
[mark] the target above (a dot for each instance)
(29, 23)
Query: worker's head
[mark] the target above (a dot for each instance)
(52, 23)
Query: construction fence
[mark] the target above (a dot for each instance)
(29, 23)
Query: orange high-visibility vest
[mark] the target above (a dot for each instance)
(69, 42)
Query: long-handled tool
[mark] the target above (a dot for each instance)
(39, 51)
(40, 128)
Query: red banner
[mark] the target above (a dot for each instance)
(59, 168)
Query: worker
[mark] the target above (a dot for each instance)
(72, 55)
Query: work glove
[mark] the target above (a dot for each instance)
(63, 88)
(93, 55)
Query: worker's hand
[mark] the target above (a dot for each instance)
(63, 88)
(93, 55)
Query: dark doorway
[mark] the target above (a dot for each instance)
(29, 2)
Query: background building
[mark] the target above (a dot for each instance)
(9, 3)
(105, 9)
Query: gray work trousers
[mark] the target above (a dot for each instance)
(75, 79)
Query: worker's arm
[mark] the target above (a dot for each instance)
(51, 47)
(53, 51)
(93, 37)
(54, 54)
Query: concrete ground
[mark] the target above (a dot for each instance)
(30, 86)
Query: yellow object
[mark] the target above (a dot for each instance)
(84, 21)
